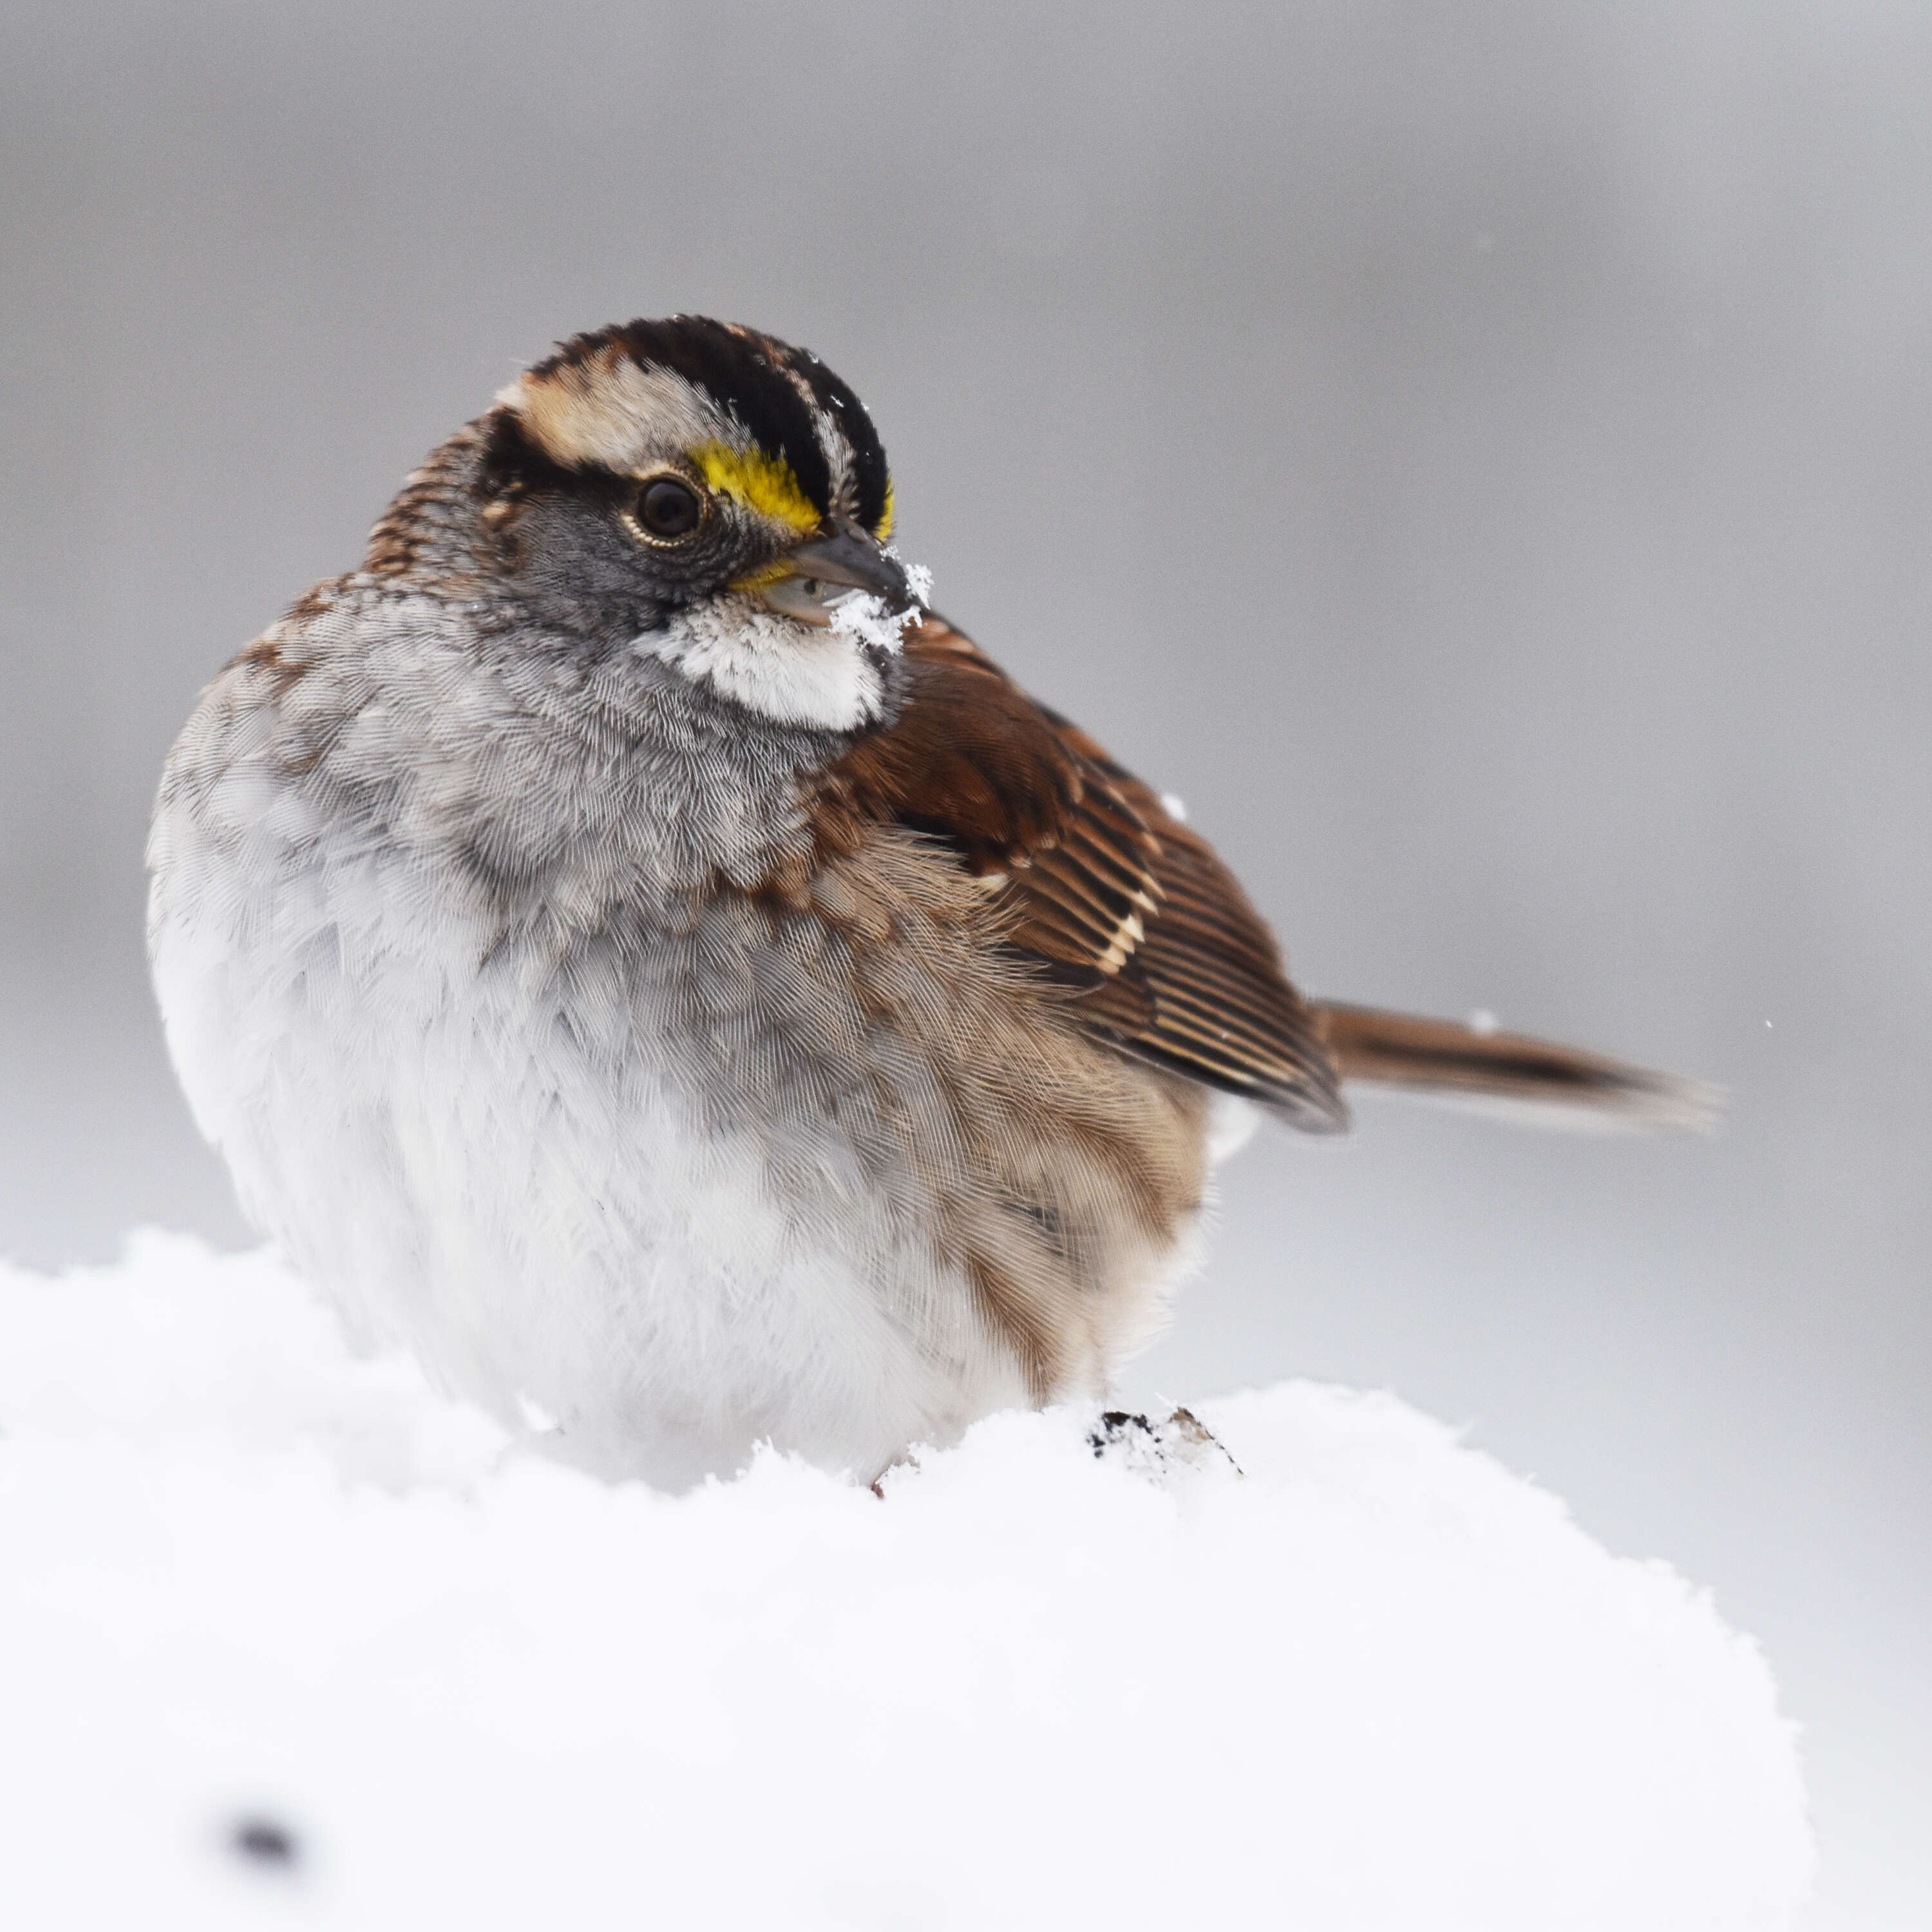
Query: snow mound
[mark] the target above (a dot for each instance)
(286, 1640)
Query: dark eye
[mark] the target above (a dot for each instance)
(668, 508)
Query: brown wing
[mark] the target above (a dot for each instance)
(1160, 950)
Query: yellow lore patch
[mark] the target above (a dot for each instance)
(765, 483)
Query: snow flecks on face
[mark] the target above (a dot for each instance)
(917, 575)
(872, 622)
(867, 620)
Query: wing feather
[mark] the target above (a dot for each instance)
(1145, 930)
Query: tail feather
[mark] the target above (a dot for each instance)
(1510, 1073)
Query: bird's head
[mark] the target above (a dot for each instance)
(717, 494)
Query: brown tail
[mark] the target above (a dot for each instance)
(1510, 1073)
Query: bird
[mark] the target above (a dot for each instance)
(632, 951)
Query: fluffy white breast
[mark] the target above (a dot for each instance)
(466, 1166)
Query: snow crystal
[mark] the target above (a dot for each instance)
(861, 615)
(919, 577)
(287, 1639)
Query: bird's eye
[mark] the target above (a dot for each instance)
(668, 508)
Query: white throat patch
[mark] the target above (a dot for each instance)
(791, 673)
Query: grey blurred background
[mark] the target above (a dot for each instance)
(1479, 455)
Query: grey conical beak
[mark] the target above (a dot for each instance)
(824, 570)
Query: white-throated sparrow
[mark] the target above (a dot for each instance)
(629, 950)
